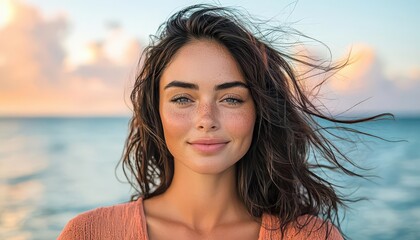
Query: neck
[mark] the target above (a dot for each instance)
(203, 201)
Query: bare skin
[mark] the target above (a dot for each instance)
(202, 200)
(199, 207)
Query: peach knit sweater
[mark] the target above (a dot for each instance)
(127, 221)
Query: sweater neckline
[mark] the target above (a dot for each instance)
(266, 221)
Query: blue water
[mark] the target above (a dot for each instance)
(51, 169)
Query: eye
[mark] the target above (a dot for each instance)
(232, 100)
(182, 100)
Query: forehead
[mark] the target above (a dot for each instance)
(202, 62)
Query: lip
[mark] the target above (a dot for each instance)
(208, 146)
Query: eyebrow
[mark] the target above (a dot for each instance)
(193, 86)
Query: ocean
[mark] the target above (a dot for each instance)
(52, 169)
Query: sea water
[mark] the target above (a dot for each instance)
(52, 169)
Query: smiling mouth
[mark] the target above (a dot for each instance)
(208, 147)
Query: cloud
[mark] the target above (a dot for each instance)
(352, 79)
(31, 49)
(36, 79)
(363, 86)
(367, 80)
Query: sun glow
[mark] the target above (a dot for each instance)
(6, 12)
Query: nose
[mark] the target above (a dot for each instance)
(207, 117)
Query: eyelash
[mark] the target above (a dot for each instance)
(182, 100)
(233, 100)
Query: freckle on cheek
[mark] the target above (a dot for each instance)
(175, 117)
(240, 121)
(178, 115)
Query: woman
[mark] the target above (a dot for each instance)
(220, 141)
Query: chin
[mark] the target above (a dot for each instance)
(212, 170)
(209, 166)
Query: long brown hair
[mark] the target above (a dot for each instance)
(278, 173)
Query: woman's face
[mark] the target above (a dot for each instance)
(207, 111)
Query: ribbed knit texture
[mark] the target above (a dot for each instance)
(127, 221)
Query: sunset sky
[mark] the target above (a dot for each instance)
(72, 58)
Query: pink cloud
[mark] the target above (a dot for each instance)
(364, 85)
(34, 79)
(366, 80)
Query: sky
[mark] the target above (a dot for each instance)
(79, 58)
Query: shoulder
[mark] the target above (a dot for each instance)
(305, 227)
(122, 221)
(312, 227)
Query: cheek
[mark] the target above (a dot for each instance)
(175, 124)
(241, 124)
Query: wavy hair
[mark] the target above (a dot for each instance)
(278, 174)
